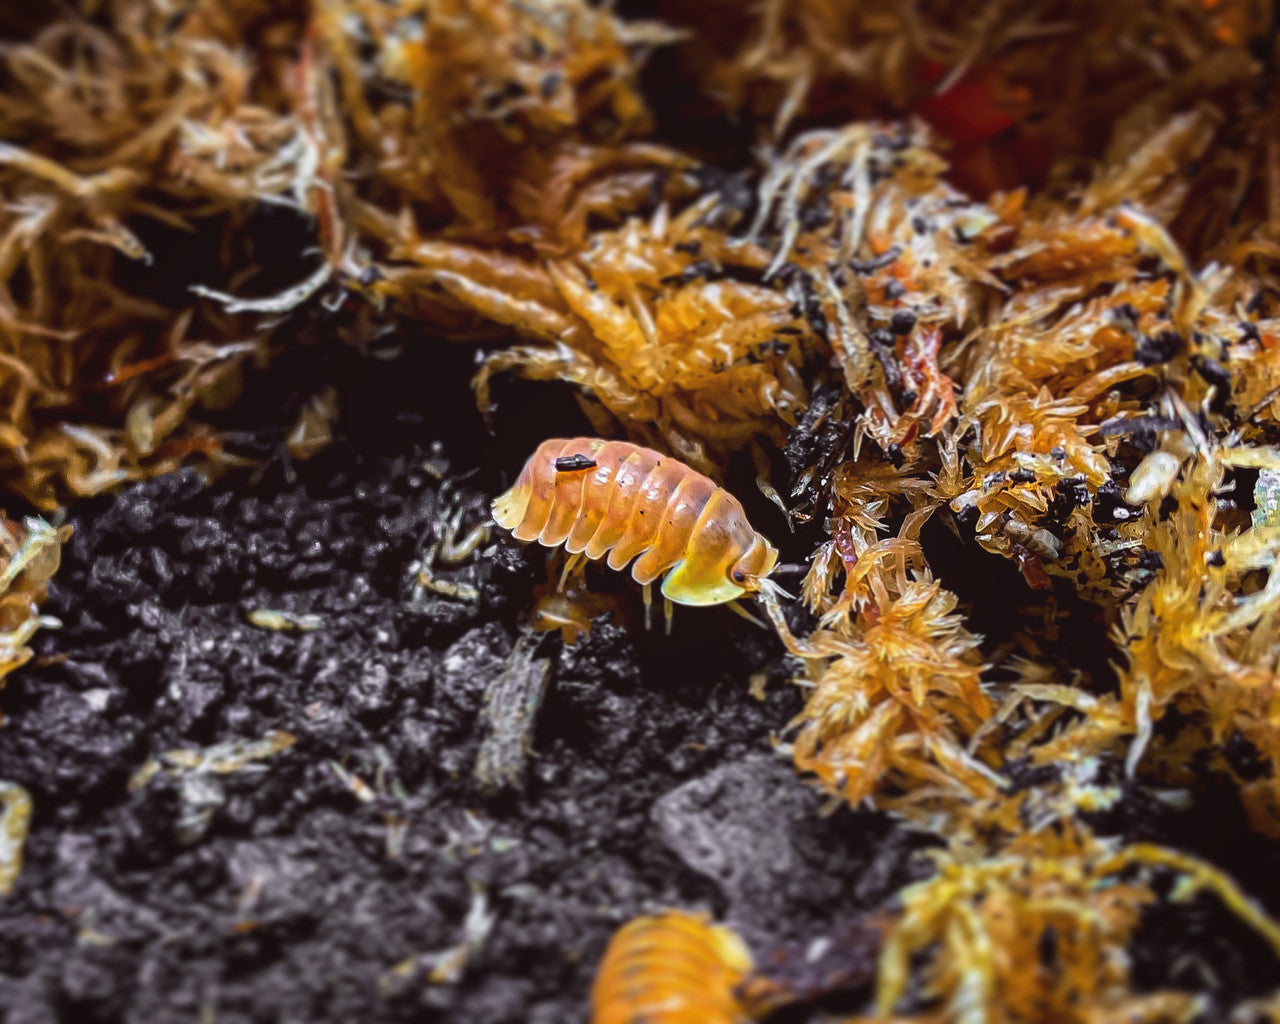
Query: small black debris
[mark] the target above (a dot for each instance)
(1159, 348)
(903, 322)
(876, 262)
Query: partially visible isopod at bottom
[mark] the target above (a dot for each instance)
(671, 968)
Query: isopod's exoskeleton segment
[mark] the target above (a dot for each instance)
(636, 506)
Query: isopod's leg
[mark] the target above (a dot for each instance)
(570, 565)
(737, 609)
(648, 605)
(668, 611)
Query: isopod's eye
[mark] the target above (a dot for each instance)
(739, 576)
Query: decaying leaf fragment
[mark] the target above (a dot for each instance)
(511, 705)
(280, 621)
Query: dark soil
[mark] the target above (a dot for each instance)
(337, 879)
(283, 891)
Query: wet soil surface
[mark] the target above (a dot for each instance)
(361, 872)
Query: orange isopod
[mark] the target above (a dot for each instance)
(601, 497)
(671, 968)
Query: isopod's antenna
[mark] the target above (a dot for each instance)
(768, 594)
(764, 585)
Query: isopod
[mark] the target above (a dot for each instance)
(670, 968)
(600, 497)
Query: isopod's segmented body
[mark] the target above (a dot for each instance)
(613, 498)
(672, 968)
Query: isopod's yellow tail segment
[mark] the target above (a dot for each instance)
(508, 507)
(671, 968)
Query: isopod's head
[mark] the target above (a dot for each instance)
(717, 576)
(755, 565)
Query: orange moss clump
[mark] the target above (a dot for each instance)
(112, 140)
(652, 322)
(31, 551)
(894, 685)
(987, 923)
